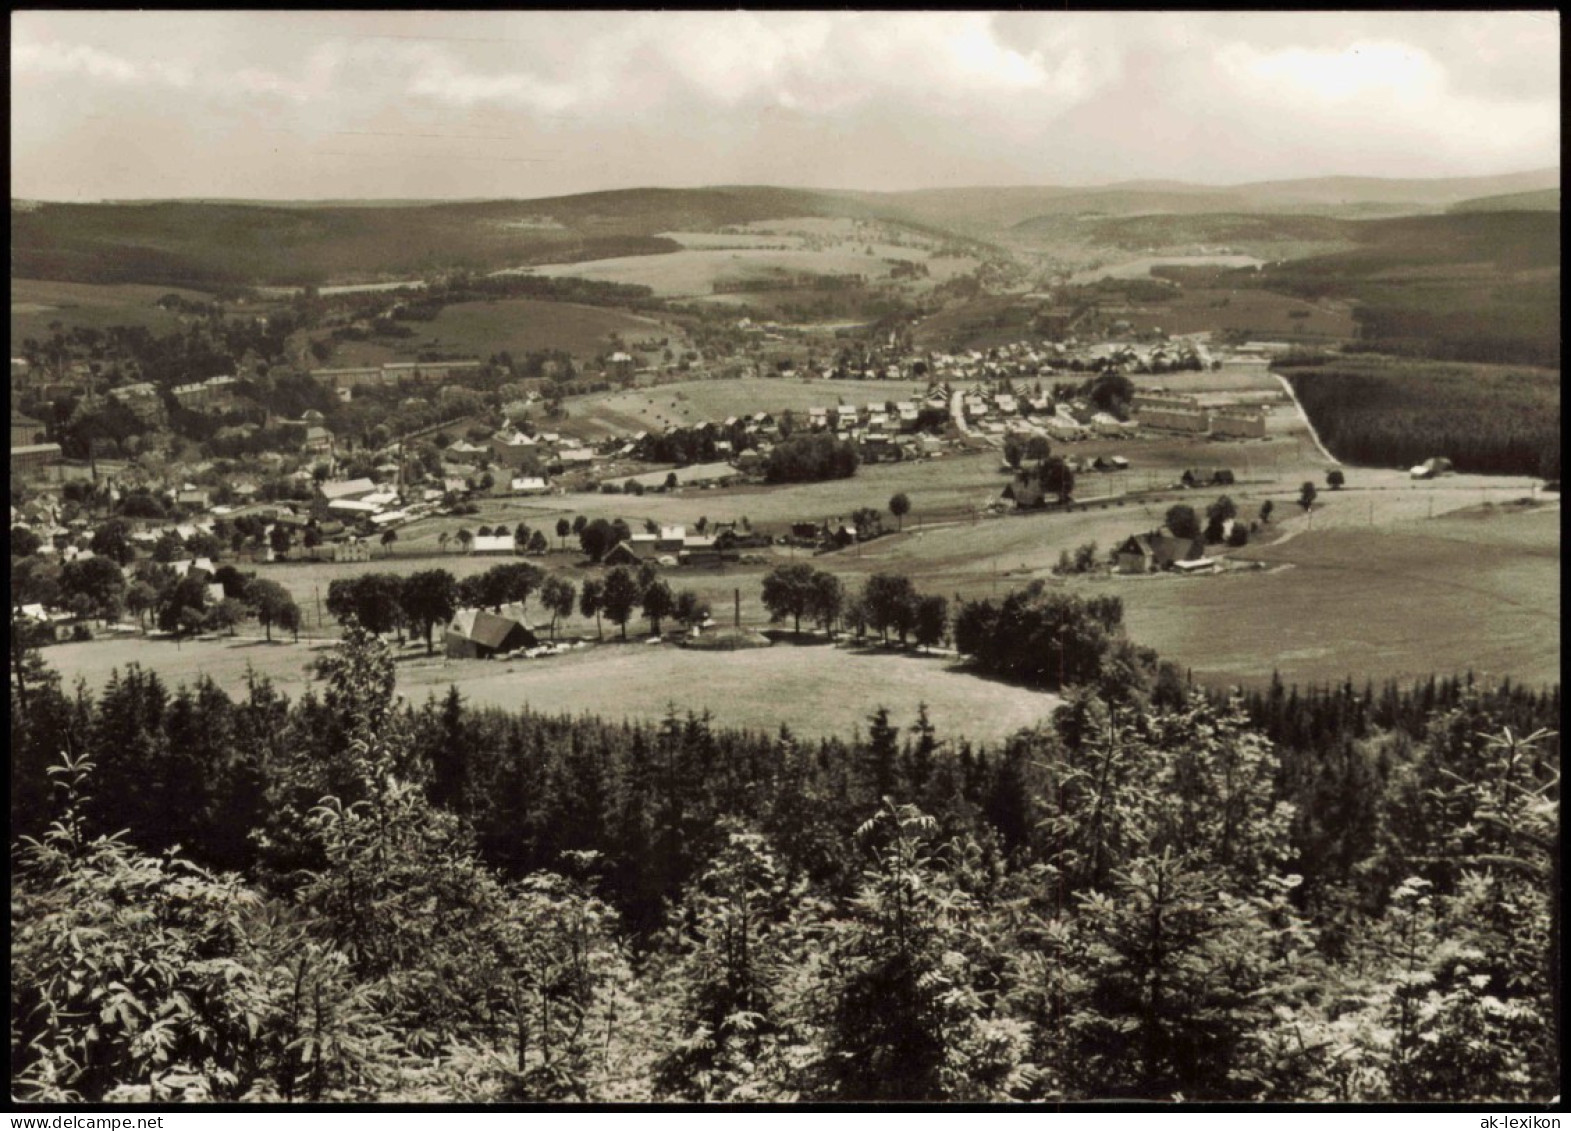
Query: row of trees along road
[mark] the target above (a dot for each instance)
(376, 900)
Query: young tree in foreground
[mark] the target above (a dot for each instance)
(904, 1019)
(728, 1040)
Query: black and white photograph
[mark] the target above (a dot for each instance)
(785, 559)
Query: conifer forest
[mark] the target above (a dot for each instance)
(1337, 894)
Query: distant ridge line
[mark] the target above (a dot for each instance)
(1530, 180)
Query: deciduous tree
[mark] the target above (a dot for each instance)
(619, 597)
(557, 595)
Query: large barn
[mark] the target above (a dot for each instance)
(476, 634)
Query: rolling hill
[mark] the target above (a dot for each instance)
(1540, 200)
(206, 245)
(210, 244)
(982, 208)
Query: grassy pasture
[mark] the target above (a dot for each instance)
(693, 402)
(816, 689)
(1372, 604)
(521, 325)
(36, 302)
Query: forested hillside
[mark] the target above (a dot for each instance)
(1147, 898)
(1396, 413)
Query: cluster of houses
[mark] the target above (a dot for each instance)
(528, 459)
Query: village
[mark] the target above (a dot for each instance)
(1018, 400)
(1116, 455)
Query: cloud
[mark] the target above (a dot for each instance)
(1364, 71)
(831, 98)
(828, 63)
(79, 60)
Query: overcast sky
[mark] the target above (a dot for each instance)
(459, 105)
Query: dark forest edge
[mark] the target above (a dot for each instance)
(1386, 412)
(1323, 894)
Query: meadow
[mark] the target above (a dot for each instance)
(816, 689)
(1368, 584)
(518, 326)
(35, 303)
(1374, 604)
(693, 402)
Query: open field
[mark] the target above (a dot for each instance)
(35, 303)
(693, 402)
(517, 325)
(1254, 312)
(1378, 605)
(816, 689)
(694, 271)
